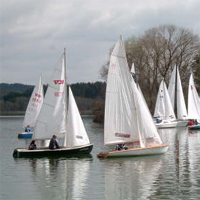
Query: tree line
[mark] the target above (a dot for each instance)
(154, 55)
(14, 99)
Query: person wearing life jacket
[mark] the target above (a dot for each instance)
(191, 123)
(28, 129)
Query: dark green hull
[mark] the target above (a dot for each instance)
(45, 152)
(194, 127)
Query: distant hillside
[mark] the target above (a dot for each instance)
(14, 97)
(5, 88)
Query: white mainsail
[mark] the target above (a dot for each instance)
(52, 118)
(127, 118)
(163, 108)
(181, 106)
(34, 105)
(172, 87)
(59, 114)
(176, 93)
(193, 100)
(76, 133)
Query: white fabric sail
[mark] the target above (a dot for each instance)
(52, 117)
(163, 108)
(193, 101)
(172, 86)
(181, 106)
(76, 133)
(127, 118)
(34, 105)
(133, 69)
(176, 94)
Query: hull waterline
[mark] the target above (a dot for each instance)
(166, 125)
(182, 123)
(45, 152)
(194, 127)
(153, 150)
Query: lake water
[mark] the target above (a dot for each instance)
(174, 175)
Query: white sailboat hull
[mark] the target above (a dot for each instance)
(182, 123)
(167, 124)
(153, 150)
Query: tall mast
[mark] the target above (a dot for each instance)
(65, 95)
(65, 77)
(175, 96)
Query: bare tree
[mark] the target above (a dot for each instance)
(157, 52)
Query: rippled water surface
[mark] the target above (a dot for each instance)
(175, 175)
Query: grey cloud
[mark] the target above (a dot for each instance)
(33, 33)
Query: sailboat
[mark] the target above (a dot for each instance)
(59, 116)
(164, 109)
(177, 98)
(127, 118)
(33, 109)
(193, 103)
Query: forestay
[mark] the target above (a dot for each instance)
(76, 133)
(52, 117)
(127, 118)
(34, 105)
(163, 108)
(193, 100)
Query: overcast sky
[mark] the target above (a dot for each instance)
(33, 33)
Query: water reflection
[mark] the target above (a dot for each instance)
(59, 178)
(174, 175)
(131, 178)
(178, 179)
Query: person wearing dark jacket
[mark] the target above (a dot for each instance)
(53, 143)
(32, 145)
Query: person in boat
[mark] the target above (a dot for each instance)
(32, 145)
(28, 129)
(119, 147)
(191, 123)
(158, 120)
(53, 143)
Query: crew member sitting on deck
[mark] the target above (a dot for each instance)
(191, 123)
(28, 129)
(158, 120)
(119, 147)
(53, 143)
(32, 145)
